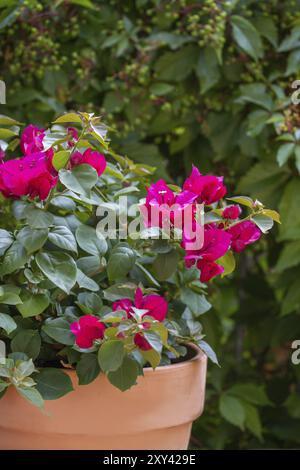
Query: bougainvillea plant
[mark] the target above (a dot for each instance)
(71, 297)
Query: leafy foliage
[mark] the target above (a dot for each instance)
(205, 82)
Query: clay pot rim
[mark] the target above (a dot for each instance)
(199, 356)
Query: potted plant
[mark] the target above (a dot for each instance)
(100, 300)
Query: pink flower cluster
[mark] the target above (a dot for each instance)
(33, 175)
(219, 238)
(89, 328)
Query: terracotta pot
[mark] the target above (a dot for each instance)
(155, 414)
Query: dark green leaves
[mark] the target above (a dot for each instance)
(87, 369)
(28, 342)
(33, 304)
(37, 218)
(14, 259)
(247, 37)
(90, 240)
(232, 410)
(111, 355)
(32, 239)
(196, 303)
(175, 66)
(62, 237)
(7, 323)
(60, 268)
(6, 240)
(126, 376)
(80, 180)
(59, 330)
(165, 265)
(53, 383)
(120, 262)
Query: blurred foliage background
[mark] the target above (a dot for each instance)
(206, 82)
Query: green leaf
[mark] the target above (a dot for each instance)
(244, 200)
(68, 117)
(165, 264)
(60, 268)
(289, 256)
(126, 376)
(289, 210)
(297, 152)
(37, 218)
(292, 41)
(273, 214)
(251, 393)
(161, 89)
(32, 395)
(197, 303)
(62, 237)
(232, 410)
(175, 66)
(32, 239)
(9, 295)
(291, 300)
(28, 342)
(59, 330)
(7, 323)
(263, 222)
(60, 159)
(120, 291)
(111, 355)
(120, 262)
(6, 239)
(207, 69)
(90, 240)
(87, 369)
(7, 134)
(33, 304)
(8, 121)
(53, 383)
(86, 282)
(80, 180)
(152, 357)
(267, 28)
(206, 348)
(228, 263)
(153, 339)
(284, 152)
(252, 420)
(247, 37)
(14, 259)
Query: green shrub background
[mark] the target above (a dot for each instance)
(181, 82)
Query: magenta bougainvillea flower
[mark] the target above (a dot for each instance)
(243, 233)
(209, 189)
(32, 140)
(162, 204)
(156, 306)
(29, 176)
(86, 330)
(208, 269)
(89, 157)
(216, 244)
(232, 212)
